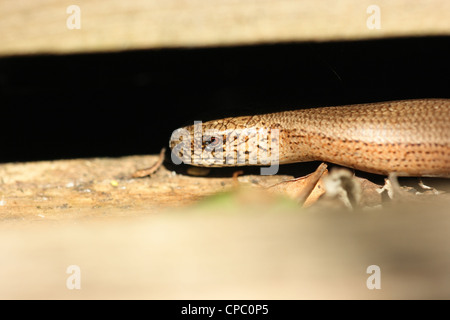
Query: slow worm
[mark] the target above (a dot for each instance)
(407, 137)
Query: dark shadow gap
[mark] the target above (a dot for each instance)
(116, 104)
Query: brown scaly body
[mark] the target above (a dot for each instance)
(409, 137)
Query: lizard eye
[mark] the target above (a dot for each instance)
(211, 143)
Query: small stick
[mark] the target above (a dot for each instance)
(148, 171)
(313, 178)
(235, 178)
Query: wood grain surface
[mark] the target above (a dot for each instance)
(169, 237)
(30, 27)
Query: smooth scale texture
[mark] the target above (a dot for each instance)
(409, 137)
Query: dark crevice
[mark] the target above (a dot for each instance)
(116, 104)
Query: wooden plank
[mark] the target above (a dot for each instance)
(30, 27)
(80, 189)
(151, 238)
